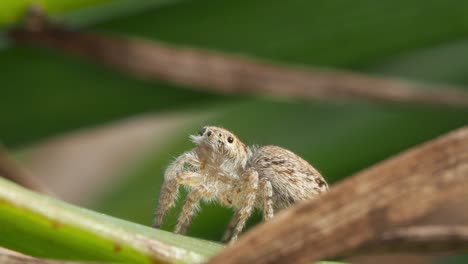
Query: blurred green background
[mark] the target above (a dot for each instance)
(46, 94)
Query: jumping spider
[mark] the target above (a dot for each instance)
(222, 167)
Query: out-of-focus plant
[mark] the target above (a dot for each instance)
(45, 93)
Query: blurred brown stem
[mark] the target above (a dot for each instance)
(418, 239)
(12, 171)
(228, 74)
(363, 208)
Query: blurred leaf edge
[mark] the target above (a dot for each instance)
(54, 229)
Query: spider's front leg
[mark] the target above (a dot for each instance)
(175, 175)
(250, 185)
(191, 207)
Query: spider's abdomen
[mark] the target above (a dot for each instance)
(292, 178)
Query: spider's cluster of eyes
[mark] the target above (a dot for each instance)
(202, 131)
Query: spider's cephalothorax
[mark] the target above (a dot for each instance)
(219, 147)
(221, 167)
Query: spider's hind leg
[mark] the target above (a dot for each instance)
(230, 229)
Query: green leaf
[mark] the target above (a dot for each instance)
(45, 227)
(331, 33)
(60, 93)
(77, 12)
(323, 32)
(11, 11)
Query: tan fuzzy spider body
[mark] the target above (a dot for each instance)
(221, 167)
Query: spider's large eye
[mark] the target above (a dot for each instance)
(230, 139)
(202, 131)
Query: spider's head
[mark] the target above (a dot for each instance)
(220, 141)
